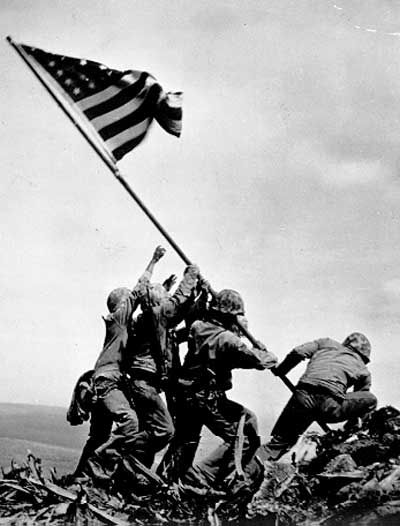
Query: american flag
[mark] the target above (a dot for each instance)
(119, 105)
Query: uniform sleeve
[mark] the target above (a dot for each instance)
(240, 356)
(116, 336)
(267, 358)
(144, 278)
(363, 383)
(141, 287)
(196, 309)
(301, 352)
(173, 308)
(117, 325)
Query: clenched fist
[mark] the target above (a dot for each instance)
(158, 253)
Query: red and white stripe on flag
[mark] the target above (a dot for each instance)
(119, 105)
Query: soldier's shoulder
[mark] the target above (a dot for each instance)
(198, 325)
(329, 343)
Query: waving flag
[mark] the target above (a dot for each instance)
(111, 109)
(119, 105)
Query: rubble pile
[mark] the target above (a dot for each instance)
(28, 497)
(353, 479)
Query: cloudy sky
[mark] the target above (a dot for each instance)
(284, 185)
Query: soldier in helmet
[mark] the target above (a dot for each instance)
(214, 349)
(112, 405)
(153, 357)
(321, 393)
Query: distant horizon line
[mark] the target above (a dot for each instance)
(33, 404)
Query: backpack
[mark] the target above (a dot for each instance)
(82, 400)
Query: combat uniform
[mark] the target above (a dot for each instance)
(154, 355)
(112, 405)
(213, 351)
(321, 393)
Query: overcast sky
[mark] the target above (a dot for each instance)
(284, 185)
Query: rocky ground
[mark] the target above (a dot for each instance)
(354, 479)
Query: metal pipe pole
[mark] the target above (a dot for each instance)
(107, 158)
(284, 379)
(152, 218)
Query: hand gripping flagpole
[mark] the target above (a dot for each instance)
(284, 378)
(110, 162)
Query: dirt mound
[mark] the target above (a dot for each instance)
(353, 479)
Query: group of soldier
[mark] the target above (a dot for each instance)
(130, 422)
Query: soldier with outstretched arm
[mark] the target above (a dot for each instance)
(322, 392)
(214, 350)
(152, 358)
(112, 404)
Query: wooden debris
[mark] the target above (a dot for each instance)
(354, 474)
(30, 486)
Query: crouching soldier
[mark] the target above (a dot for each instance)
(214, 349)
(321, 393)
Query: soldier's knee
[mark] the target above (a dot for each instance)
(372, 402)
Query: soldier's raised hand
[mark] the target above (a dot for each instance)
(158, 253)
(170, 282)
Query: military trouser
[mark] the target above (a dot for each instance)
(156, 428)
(112, 406)
(100, 431)
(308, 404)
(221, 416)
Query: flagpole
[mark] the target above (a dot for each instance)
(137, 199)
(110, 162)
(105, 156)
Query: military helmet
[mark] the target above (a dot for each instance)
(359, 343)
(229, 301)
(116, 297)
